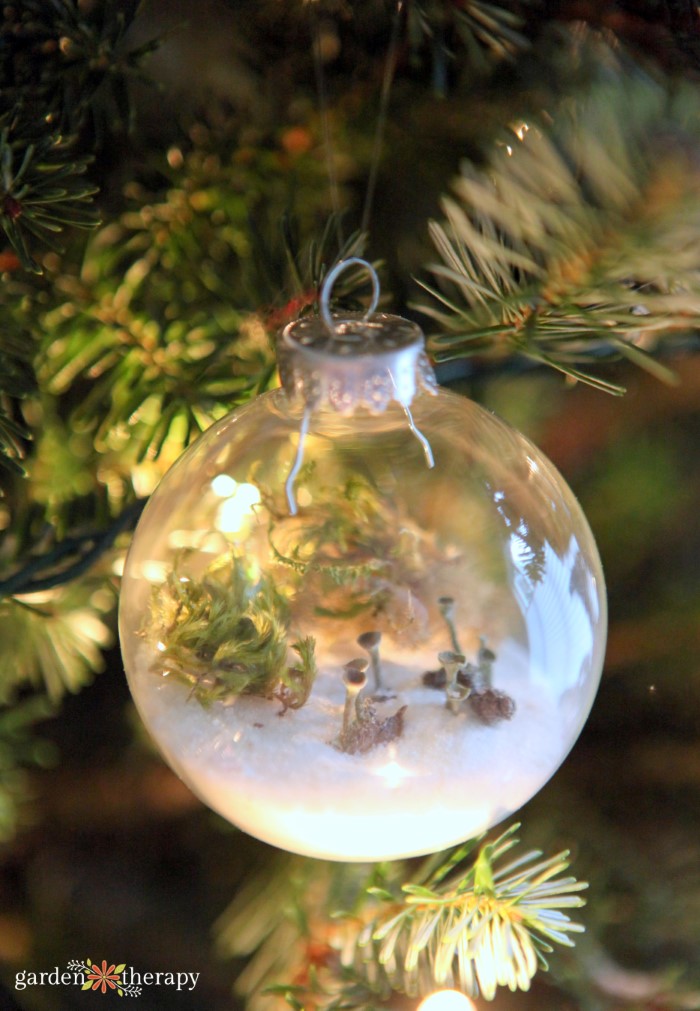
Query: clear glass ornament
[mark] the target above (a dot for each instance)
(362, 617)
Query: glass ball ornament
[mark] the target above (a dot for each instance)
(362, 617)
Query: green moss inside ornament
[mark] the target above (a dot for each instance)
(385, 654)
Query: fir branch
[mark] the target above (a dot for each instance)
(357, 937)
(491, 926)
(42, 190)
(477, 34)
(306, 265)
(19, 749)
(61, 62)
(17, 381)
(171, 323)
(70, 60)
(577, 241)
(164, 322)
(495, 27)
(355, 995)
(53, 640)
(269, 924)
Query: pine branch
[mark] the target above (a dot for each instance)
(491, 926)
(52, 641)
(42, 190)
(270, 924)
(70, 60)
(62, 63)
(170, 325)
(18, 750)
(475, 923)
(577, 241)
(477, 33)
(17, 381)
(53, 627)
(154, 327)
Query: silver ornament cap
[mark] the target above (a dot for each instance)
(361, 363)
(353, 360)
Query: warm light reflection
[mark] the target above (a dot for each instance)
(224, 485)
(392, 773)
(154, 572)
(446, 1000)
(185, 539)
(237, 507)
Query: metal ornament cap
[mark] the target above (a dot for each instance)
(357, 362)
(350, 361)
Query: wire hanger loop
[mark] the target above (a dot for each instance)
(330, 279)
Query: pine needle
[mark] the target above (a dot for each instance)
(576, 243)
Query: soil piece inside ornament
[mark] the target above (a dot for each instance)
(492, 706)
(369, 731)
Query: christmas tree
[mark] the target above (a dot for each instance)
(177, 182)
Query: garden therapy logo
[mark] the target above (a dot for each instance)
(106, 978)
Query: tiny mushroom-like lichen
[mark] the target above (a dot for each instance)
(355, 680)
(486, 659)
(469, 676)
(455, 692)
(370, 641)
(447, 610)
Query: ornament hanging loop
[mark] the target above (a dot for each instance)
(330, 280)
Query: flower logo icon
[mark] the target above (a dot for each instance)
(100, 979)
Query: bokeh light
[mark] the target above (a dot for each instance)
(446, 1000)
